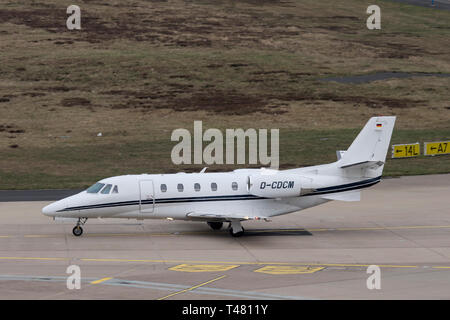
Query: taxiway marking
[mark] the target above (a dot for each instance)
(379, 228)
(181, 233)
(34, 258)
(100, 280)
(36, 236)
(203, 267)
(288, 270)
(246, 263)
(219, 262)
(192, 288)
(160, 286)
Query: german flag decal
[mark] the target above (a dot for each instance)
(379, 125)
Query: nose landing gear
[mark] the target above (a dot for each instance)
(78, 230)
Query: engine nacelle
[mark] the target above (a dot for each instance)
(276, 185)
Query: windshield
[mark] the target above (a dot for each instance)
(107, 189)
(95, 188)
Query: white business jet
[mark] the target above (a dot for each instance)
(233, 197)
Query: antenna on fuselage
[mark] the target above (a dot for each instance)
(203, 170)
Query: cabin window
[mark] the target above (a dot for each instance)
(107, 189)
(214, 186)
(180, 187)
(163, 188)
(115, 189)
(197, 187)
(234, 186)
(95, 188)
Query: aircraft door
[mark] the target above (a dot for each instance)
(147, 196)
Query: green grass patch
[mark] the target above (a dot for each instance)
(80, 166)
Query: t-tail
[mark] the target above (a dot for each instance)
(366, 156)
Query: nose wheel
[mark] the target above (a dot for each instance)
(78, 230)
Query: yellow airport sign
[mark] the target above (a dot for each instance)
(405, 150)
(435, 148)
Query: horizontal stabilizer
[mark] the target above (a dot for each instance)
(366, 164)
(344, 196)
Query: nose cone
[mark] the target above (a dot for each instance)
(52, 209)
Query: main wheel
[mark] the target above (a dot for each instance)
(237, 234)
(215, 225)
(77, 231)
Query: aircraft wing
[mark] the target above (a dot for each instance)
(344, 196)
(222, 216)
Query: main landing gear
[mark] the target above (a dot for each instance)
(236, 229)
(78, 230)
(215, 225)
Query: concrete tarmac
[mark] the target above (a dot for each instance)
(402, 225)
(36, 195)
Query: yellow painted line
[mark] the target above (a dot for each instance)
(100, 280)
(191, 288)
(359, 265)
(127, 234)
(247, 263)
(203, 267)
(37, 236)
(233, 263)
(281, 270)
(441, 267)
(223, 262)
(379, 228)
(169, 261)
(147, 234)
(270, 230)
(210, 233)
(130, 260)
(33, 258)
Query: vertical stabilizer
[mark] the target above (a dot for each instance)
(370, 147)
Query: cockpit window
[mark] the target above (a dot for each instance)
(116, 189)
(107, 189)
(95, 188)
